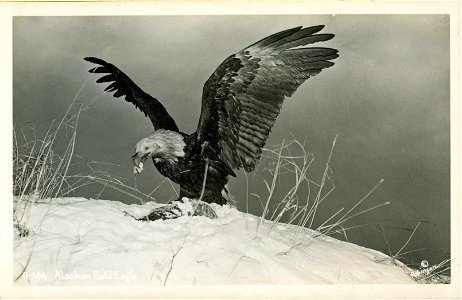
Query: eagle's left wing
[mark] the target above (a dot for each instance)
(243, 97)
(122, 85)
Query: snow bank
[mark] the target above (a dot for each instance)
(75, 241)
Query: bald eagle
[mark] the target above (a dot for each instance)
(240, 103)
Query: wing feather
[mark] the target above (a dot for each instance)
(243, 97)
(124, 86)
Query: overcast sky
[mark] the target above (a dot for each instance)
(387, 97)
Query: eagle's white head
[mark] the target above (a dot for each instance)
(161, 145)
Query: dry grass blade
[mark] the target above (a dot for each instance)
(291, 162)
(43, 167)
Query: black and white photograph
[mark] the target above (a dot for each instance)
(233, 150)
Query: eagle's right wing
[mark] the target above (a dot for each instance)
(243, 97)
(124, 86)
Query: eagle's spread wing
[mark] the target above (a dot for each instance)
(243, 97)
(124, 86)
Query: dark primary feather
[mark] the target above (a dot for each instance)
(124, 86)
(243, 97)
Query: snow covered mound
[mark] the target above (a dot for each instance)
(75, 241)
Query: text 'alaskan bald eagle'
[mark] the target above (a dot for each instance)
(240, 103)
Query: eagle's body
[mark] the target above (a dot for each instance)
(189, 170)
(240, 103)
